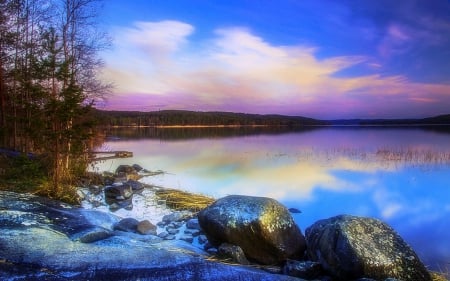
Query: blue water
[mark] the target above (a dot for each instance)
(401, 176)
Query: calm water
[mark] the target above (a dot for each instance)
(399, 175)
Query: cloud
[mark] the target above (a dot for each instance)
(236, 70)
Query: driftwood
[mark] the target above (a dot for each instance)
(113, 155)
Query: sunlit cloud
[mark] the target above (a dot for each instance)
(237, 70)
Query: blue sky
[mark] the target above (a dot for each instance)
(321, 59)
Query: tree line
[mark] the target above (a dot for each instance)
(48, 82)
(192, 118)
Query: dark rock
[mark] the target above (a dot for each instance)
(171, 230)
(95, 189)
(294, 210)
(127, 224)
(303, 269)
(350, 247)
(119, 196)
(93, 234)
(137, 167)
(202, 239)
(193, 232)
(125, 169)
(187, 238)
(170, 237)
(262, 227)
(136, 187)
(145, 227)
(193, 224)
(233, 252)
(163, 234)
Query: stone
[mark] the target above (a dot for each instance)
(125, 169)
(303, 269)
(93, 235)
(193, 224)
(119, 196)
(202, 239)
(137, 167)
(170, 237)
(351, 247)
(163, 234)
(171, 230)
(262, 227)
(187, 238)
(145, 227)
(177, 216)
(193, 232)
(136, 187)
(127, 225)
(232, 252)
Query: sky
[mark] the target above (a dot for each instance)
(322, 59)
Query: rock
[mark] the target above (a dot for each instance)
(202, 239)
(262, 227)
(350, 247)
(170, 237)
(119, 196)
(193, 232)
(145, 227)
(36, 244)
(187, 238)
(232, 252)
(177, 216)
(125, 169)
(171, 230)
(127, 225)
(303, 269)
(193, 224)
(294, 210)
(136, 187)
(163, 234)
(93, 234)
(137, 167)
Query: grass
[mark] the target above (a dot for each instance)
(182, 200)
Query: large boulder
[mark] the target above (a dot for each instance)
(262, 227)
(351, 247)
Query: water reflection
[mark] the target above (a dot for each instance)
(399, 176)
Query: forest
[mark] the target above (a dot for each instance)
(197, 118)
(48, 84)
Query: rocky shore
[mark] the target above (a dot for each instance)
(234, 238)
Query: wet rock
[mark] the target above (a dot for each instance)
(303, 269)
(163, 234)
(145, 227)
(171, 230)
(170, 237)
(294, 210)
(202, 239)
(193, 224)
(127, 225)
(262, 227)
(232, 252)
(187, 238)
(193, 232)
(350, 247)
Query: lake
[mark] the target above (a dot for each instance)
(398, 175)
